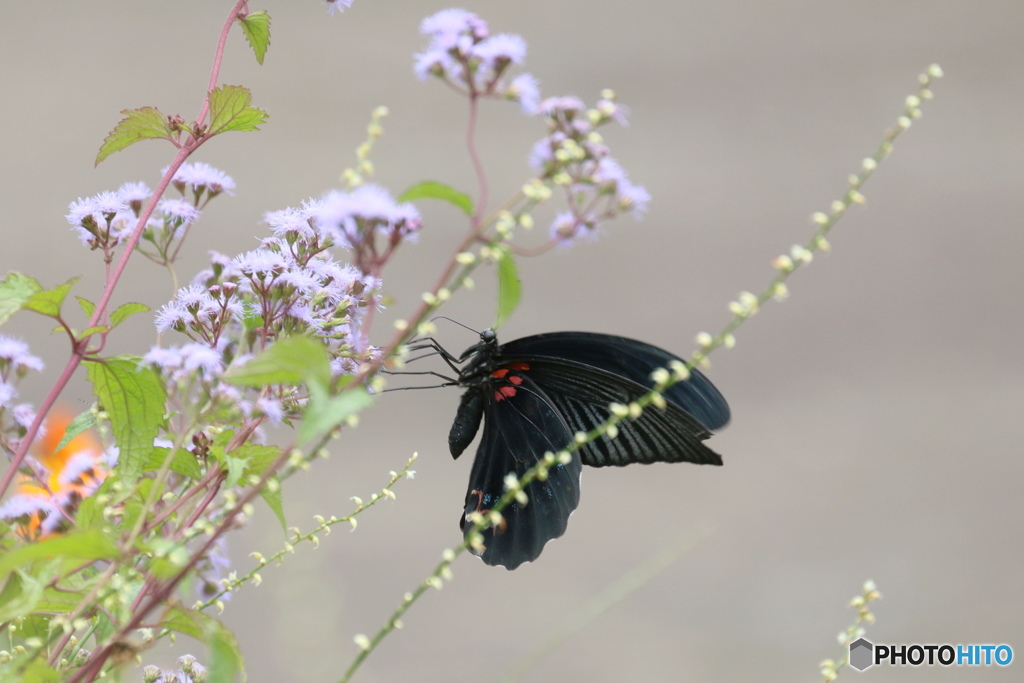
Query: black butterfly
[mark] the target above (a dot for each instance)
(534, 394)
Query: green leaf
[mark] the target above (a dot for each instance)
(169, 556)
(133, 396)
(20, 595)
(37, 671)
(124, 311)
(256, 27)
(59, 601)
(83, 546)
(186, 621)
(508, 288)
(89, 331)
(132, 507)
(184, 462)
(146, 123)
(259, 457)
(81, 423)
(325, 412)
(16, 289)
(104, 627)
(272, 495)
(90, 510)
(87, 306)
(289, 361)
(430, 189)
(236, 468)
(256, 460)
(48, 302)
(34, 626)
(230, 110)
(225, 662)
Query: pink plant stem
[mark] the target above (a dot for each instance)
(476, 227)
(185, 497)
(474, 157)
(79, 350)
(161, 592)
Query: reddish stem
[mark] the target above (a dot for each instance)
(474, 157)
(79, 349)
(94, 666)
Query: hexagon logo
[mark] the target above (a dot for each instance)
(861, 651)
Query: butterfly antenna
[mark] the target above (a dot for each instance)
(444, 317)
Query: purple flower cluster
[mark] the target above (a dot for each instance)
(368, 222)
(15, 362)
(337, 5)
(290, 285)
(464, 54)
(573, 155)
(108, 219)
(105, 220)
(201, 179)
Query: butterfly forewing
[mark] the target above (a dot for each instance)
(520, 424)
(628, 358)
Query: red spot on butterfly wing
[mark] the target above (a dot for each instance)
(501, 393)
(506, 373)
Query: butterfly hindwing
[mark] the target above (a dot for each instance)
(520, 424)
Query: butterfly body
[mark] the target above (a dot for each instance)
(534, 394)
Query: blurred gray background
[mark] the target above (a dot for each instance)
(877, 429)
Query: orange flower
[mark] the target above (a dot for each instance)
(44, 504)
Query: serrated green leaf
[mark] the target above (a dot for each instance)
(132, 507)
(430, 189)
(258, 457)
(230, 110)
(59, 601)
(87, 332)
(508, 288)
(133, 396)
(20, 595)
(145, 123)
(185, 621)
(89, 515)
(271, 493)
(236, 468)
(79, 546)
(221, 441)
(35, 626)
(81, 423)
(88, 307)
(90, 510)
(225, 662)
(104, 627)
(49, 301)
(37, 671)
(124, 311)
(325, 412)
(183, 462)
(289, 361)
(256, 27)
(16, 289)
